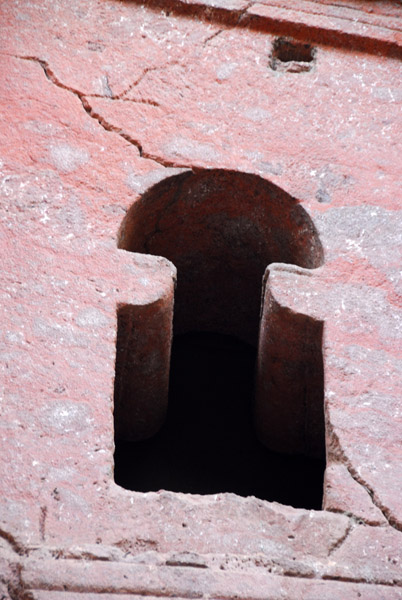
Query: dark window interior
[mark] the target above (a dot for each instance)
(207, 444)
(221, 229)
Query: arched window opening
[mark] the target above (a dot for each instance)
(221, 229)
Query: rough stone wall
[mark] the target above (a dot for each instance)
(102, 100)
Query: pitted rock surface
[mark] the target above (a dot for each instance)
(102, 102)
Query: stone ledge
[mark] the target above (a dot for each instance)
(350, 27)
(98, 577)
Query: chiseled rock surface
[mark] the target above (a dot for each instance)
(100, 101)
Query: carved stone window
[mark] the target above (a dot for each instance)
(224, 429)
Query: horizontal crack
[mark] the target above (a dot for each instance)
(358, 520)
(178, 563)
(140, 101)
(350, 579)
(138, 589)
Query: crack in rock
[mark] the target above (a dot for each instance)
(350, 579)
(356, 519)
(135, 83)
(211, 37)
(391, 520)
(336, 445)
(42, 522)
(336, 545)
(51, 76)
(14, 544)
(15, 586)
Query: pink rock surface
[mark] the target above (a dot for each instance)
(343, 494)
(102, 101)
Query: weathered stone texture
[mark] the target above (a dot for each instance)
(102, 101)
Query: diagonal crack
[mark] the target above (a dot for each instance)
(336, 545)
(135, 83)
(211, 37)
(243, 12)
(117, 130)
(122, 95)
(391, 520)
(107, 126)
(14, 544)
(15, 586)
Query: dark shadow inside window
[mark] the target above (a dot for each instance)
(221, 229)
(208, 444)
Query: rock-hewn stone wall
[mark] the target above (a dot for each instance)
(104, 101)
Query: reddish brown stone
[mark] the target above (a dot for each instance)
(168, 129)
(345, 494)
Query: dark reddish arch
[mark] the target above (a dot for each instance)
(221, 229)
